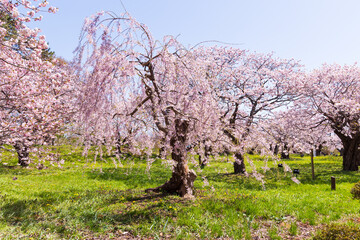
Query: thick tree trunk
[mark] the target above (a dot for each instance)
(285, 155)
(122, 146)
(207, 152)
(318, 150)
(276, 149)
(285, 152)
(341, 151)
(118, 146)
(182, 179)
(23, 154)
(239, 164)
(351, 154)
(161, 151)
(162, 147)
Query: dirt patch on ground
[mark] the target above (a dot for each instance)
(283, 229)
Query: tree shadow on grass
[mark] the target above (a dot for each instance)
(136, 208)
(234, 181)
(52, 210)
(23, 213)
(14, 170)
(132, 177)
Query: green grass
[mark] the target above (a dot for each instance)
(84, 200)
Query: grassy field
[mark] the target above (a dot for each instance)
(86, 200)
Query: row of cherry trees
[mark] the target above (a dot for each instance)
(204, 99)
(125, 88)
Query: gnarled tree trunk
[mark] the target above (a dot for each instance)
(162, 147)
(239, 164)
(285, 152)
(118, 146)
(351, 154)
(23, 154)
(276, 149)
(350, 151)
(318, 150)
(207, 152)
(182, 179)
(285, 155)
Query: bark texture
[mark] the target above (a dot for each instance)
(285, 152)
(182, 179)
(318, 150)
(207, 153)
(350, 151)
(23, 154)
(239, 164)
(351, 154)
(276, 149)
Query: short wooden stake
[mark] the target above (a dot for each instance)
(333, 186)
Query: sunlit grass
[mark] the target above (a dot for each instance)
(83, 199)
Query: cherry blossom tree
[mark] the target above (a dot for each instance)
(332, 93)
(34, 91)
(298, 129)
(159, 87)
(248, 86)
(280, 136)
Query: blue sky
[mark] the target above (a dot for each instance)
(312, 31)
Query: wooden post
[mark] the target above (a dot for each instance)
(333, 186)
(312, 164)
